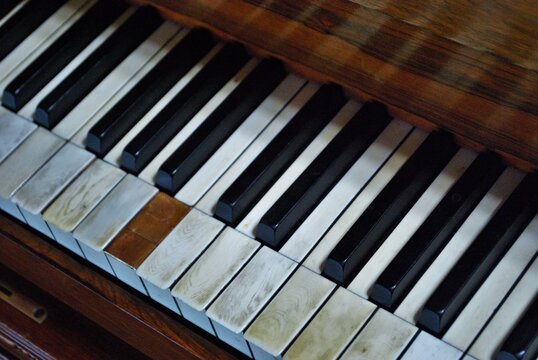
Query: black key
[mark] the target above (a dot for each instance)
(259, 176)
(388, 208)
(321, 175)
(139, 152)
(431, 237)
(483, 254)
(142, 97)
(222, 122)
(6, 6)
(34, 77)
(96, 67)
(522, 343)
(19, 26)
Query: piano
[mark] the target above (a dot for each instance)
(349, 179)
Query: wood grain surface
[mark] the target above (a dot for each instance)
(468, 67)
(142, 235)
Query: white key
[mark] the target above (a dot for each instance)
(417, 297)
(76, 202)
(317, 258)
(250, 222)
(209, 201)
(426, 346)
(39, 40)
(499, 328)
(13, 131)
(28, 110)
(214, 269)
(179, 249)
(80, 137)
(114, 155)
(280, 322)
(232, 148)
(150, 172)
(253, 287)
(235, 340)
(366, 278)
(106, 89)
(126, 273)
(336, 324)
(49, 181)
(12, 12)
(490, 294)
(83, 195)
(317, 223)
(384, 337)
(26, 160)
(114, 212)
(163, 296)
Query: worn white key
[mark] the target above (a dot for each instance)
(39, 40)
(209, 201)
(384, 338)
(163, 296)
(426, 285)
(366, 278)
(114, 155)
(48, 182)
(28, 110)
(114, 212)
(317, 223)
(179, 249)
(196, 317)
(96, 257)
(250, 222)
(26, 160)
(150, 171)
(13, 131)
(285, 316)
(317, 258)
(253, 287)
(214, 269)
(499, 328)
(76, 202)
(233, 339)
(426, 346)
(106, 89)
(490, 294)
(336, 324)
(232, 148)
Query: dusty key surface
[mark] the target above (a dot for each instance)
(13, 131)
(241, 301)
(332, 328)
(286, 315)
(52, 178)
(114, 212)
(215, 268)
(79, 199)
(179, 249)
(26, 160)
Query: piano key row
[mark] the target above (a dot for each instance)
(99, 197)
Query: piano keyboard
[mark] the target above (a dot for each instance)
(272, 212)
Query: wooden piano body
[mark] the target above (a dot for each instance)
(471, 69)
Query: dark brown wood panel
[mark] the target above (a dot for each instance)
(142, 235)
(468, 67)
(123, 314)
(65, 334)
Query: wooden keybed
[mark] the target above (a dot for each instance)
(471, 71)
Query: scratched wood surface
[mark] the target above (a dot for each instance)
(142, 235)
(468, 67)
